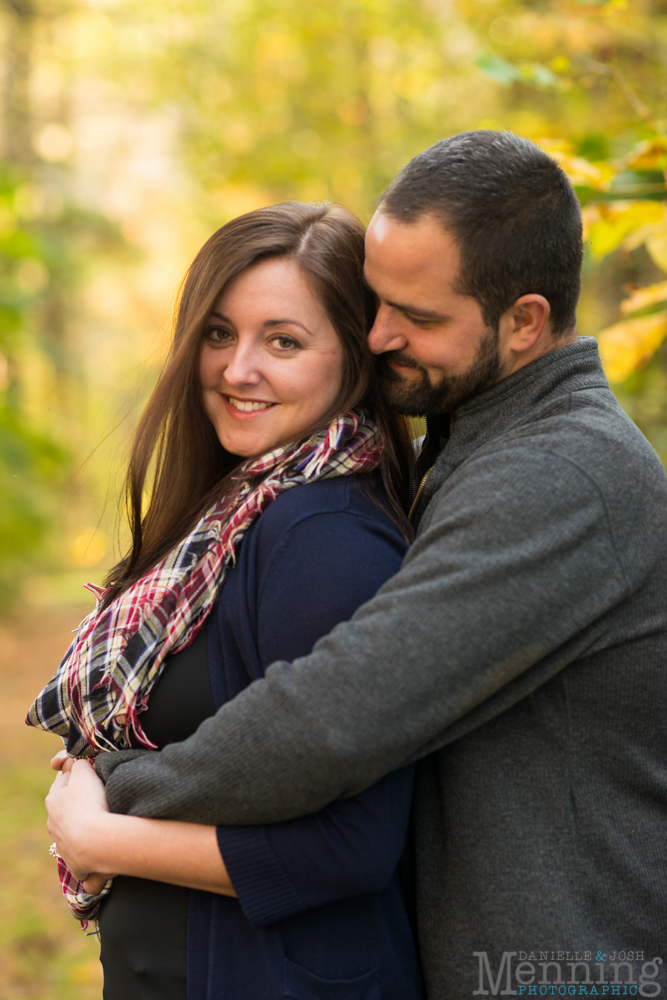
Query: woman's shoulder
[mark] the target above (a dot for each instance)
(359, 498)
(326, 522)
(315, 555)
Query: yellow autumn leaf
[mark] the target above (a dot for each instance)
(640, 298)
(559, 145)
(580, 171)
(656, 244)
(626, 346)
(639, 236)
(606, 226)
(651, 154)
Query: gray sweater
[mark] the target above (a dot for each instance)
(519, 654)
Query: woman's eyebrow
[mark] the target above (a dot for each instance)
(268, 322)
(293, 322)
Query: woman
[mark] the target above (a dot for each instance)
(269, 388)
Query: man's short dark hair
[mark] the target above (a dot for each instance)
(512, 212)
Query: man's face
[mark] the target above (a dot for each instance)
(435, 349)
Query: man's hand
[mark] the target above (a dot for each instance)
(75, 804)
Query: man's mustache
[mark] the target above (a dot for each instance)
(399, 358)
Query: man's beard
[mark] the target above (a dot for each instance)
(418, 399)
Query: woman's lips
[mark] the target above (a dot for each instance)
(246, 407)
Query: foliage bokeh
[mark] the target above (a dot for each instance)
(131, 129)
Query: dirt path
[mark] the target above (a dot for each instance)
(43, 954)
(32, 643)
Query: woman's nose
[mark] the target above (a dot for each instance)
(244, 366)
(384, 335)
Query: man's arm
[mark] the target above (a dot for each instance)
(505, 586)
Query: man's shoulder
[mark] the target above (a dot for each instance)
(574, 452)
(562, 404)
(588, 429)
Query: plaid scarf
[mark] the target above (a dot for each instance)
(104, 681)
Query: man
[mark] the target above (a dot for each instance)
(520, 651)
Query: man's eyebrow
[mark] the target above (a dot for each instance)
(430, 314)
(416, 311)
(269, 322)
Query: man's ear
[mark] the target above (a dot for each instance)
(524, 322)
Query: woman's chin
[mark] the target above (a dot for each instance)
(246, 447)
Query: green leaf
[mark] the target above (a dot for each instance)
(498, 69)
(541, 75)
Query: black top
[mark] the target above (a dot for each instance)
(143, 924)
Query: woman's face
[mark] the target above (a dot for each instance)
(271, 363)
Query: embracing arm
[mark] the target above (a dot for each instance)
(498, 593)
(92, 839)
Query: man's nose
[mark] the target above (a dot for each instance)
(384, 335)
(244, 366)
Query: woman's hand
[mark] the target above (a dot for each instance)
(95, 883)
(89, 838)
(76, 804)
(62, 761)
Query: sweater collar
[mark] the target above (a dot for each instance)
(575, 366)
(494, 411)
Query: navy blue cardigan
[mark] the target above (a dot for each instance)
(320, 910)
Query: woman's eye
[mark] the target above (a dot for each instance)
(285, 343)
(218, 335)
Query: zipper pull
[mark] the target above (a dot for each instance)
(419, 493)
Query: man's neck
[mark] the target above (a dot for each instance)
(437, 435)
(545, 344)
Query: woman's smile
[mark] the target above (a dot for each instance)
(247, 406)
(271, 363)
(246, 409)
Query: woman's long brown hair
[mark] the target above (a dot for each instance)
(177, 463)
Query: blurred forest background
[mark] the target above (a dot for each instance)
(129, 131)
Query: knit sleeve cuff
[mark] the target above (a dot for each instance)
(264, 891)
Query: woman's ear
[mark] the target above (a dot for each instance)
(525, 322)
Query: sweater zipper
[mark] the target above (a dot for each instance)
(419, 492)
